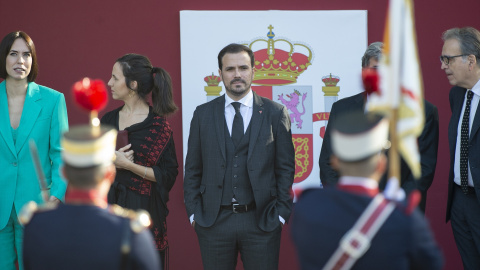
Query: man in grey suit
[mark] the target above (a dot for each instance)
(460, 61)
(239, 170)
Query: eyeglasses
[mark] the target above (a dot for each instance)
(446, 59)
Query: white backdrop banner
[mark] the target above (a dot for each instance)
(305, 60)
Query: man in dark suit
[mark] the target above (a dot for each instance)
(85, 232)
(460, 60)
(324, 219)
(427, 142)
(239, 170)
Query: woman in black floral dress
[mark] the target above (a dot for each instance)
(147, 166)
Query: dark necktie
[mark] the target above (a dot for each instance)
(464, 144)
(237, 127)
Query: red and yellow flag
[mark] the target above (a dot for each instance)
(401, 85)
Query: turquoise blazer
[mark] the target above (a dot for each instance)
(44, 119)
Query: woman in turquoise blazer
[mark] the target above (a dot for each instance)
(28, 111)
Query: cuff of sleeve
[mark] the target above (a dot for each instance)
(191, 218)
(59, 191)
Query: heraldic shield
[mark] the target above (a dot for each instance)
(298, 100)
(278, 64)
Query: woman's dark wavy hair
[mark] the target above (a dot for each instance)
(156, 80)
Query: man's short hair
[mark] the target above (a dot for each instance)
(84, 178)
(87, 153)
(235, 48)
(362, 168)
(374, 51)
(469, 39)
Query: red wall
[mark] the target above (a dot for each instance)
(83, 38)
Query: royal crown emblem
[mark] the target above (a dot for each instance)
(330, 81)
(212, 80)
(276, 66)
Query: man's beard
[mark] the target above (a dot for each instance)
(237, 91)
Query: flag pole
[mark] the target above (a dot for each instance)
(393, 156)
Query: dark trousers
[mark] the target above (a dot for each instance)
(465, 219)
(238, 232)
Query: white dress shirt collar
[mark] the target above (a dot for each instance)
(246, 110)
(476, 88)
(358, 181)
(247, 100)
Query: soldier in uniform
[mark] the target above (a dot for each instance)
(85, 232)
(322, 217)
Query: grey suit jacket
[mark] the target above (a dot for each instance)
(270, 162)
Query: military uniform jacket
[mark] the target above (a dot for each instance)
(321, 217)
(85, 237)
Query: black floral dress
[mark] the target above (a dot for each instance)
(153, 146)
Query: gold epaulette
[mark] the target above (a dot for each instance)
(29, 209)
(139, 220)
